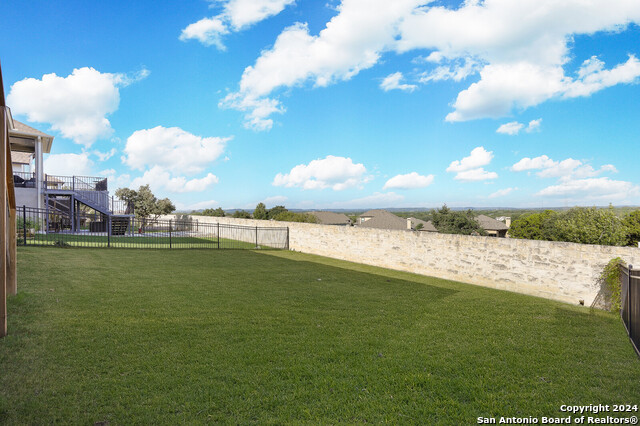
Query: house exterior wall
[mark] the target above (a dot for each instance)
(26, 197)
(555, 270)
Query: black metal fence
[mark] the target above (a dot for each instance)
(48, 227)
(630, 303)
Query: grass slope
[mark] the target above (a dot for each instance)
(165, 337)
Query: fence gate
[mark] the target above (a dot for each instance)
(630, 303)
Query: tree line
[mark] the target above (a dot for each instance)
(279, 213)
(585, 225)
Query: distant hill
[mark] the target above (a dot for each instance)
(513, 212)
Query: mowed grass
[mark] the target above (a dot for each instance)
(198, 336)
(149, 240)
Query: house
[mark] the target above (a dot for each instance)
(27, 148)
(370, 215)
(68, 199)
(493, 227)
(331, 218)
(505, 219)
(382, 219)
(427, 226)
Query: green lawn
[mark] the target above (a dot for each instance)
(149, 240)
(197, 336)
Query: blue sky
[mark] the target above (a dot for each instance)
(340, 104)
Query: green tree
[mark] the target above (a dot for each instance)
(272, 213)
(534, 226)
(590, 226)
(146, 205)
(295, 217)
(632, 224)
(448, 221)
(211, 212)
(260, 212)
(241, 214)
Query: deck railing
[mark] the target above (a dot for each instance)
(75, 183)
(24, 179)
(120, 207)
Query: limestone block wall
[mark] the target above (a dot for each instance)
(555, 270)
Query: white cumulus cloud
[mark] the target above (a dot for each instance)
(512, 128)
(603, 189)
(470, 169)
(68, 164)
(565, 169)
(257, 110)
(474, 175)
(577, 181)
(534, 126)
(541, 162)
(333, 172)
(478, 157)
(104, 156)
(502, 192)
(593, 77)
(208, 31)
(236, 15)
(457, 71)
(392, 82)
(409, 181)
(160, 179)
(518, 48)
(352, 41)
(173, 149)
(521, 47)
(77, 106)
(115, 180)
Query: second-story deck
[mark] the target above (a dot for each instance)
(89, 190)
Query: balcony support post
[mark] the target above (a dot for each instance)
(39, 171)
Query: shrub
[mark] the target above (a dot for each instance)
(590, 226)
(260, 212)
(29, 224)
(295, 217)
(610, 280)
(272, 213)
(241, 214)
(215, 213)
(632, 224)
(577, 225)
(534, 226)
(447, 221)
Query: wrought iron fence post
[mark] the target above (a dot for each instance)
(218, 235)
(46, 197)
(170, 233)
(629, 301)
(108, 231)
(24, 224)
